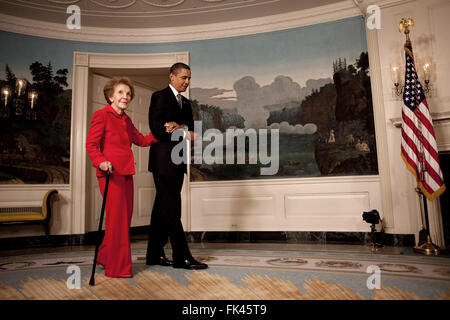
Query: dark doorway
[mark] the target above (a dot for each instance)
(444, 158)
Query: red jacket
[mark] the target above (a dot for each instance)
(109, 139)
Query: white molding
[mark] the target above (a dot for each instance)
(441, 124)
(131, 60)
(327, 13)
(285, 182)
(81, 59)
(299, 18)
(7, 202)
(274, 206)
(77, 146)
(83, 62)
(439, 119)
(33, 187)
(380, 128)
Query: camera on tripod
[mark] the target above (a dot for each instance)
(373, 217)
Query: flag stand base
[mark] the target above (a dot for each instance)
(428, 248)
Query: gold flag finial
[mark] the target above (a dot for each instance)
(404, 25)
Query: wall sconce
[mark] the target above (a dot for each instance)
(427, 89)
(397, 73)
(397, 90)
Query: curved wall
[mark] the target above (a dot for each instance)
(401, 215)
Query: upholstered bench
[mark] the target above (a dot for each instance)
(31, 215)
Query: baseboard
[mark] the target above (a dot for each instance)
(358, 238)
(141, 233)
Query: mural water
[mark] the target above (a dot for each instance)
(325, 128)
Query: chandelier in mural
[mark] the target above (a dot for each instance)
(18, 102)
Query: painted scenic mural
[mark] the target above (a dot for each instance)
(311, 83)
(35, 126)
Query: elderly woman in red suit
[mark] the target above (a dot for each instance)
(108, 144)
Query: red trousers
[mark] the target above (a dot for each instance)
(115, 252)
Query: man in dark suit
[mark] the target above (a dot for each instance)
(169, 111)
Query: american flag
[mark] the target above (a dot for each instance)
(419, 149)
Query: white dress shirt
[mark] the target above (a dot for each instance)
(176, 93)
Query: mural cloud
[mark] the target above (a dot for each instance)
(252, 100)
(255, 102)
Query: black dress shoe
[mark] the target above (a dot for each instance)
(162, 261)
(190, 264)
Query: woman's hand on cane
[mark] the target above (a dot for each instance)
(106, 166)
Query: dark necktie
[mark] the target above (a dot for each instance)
(179, 100)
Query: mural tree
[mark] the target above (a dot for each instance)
(36, 150)
(10, 77)
(49, 87)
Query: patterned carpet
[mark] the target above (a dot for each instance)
(233, 275)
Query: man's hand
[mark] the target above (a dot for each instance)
(171, 126)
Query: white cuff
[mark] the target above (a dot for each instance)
(185, 130)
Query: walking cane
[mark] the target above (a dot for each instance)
(92, 281)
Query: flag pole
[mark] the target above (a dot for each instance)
(428, 248)
(425, 246)
(425, 226)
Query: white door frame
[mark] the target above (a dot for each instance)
(82, 62)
